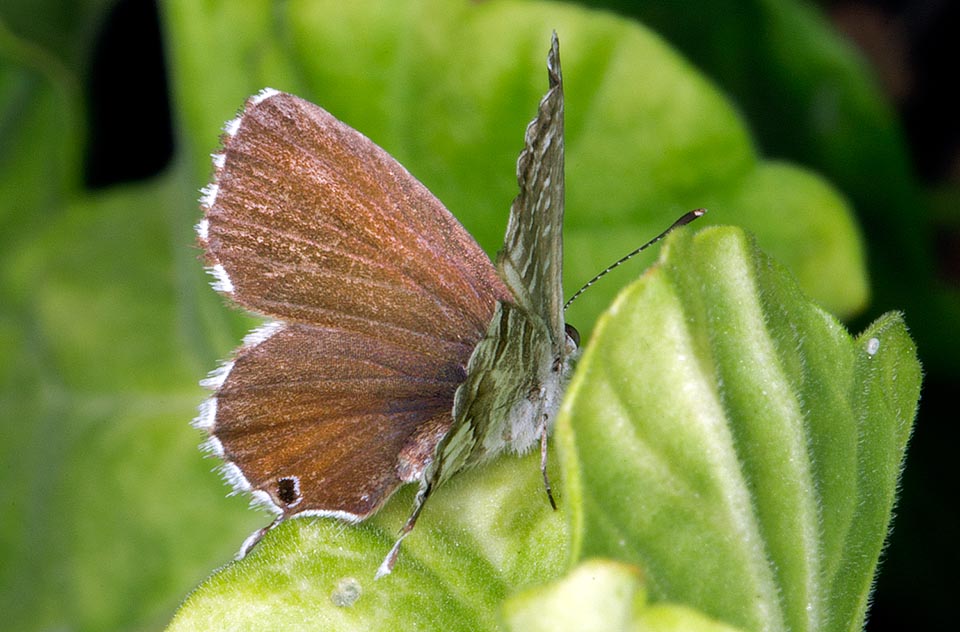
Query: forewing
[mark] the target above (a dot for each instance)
(309, 221)
(326, 421)
(516, 370)
(531, 260)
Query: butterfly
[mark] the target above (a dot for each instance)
(396, 351)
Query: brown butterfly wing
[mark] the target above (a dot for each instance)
(326, 421)
(380, 296)
(310, 221)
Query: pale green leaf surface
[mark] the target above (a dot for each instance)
(603, 596)
(722, 432)
(728, 436)
(485, 534)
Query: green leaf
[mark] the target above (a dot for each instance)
(812, 97)
(106, 320)
(722, 432)
(600, 595)
(106, 500)
(39, 122)
(483, 535)
(448, 87)
(730, 437)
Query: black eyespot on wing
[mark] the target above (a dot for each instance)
(288, 490)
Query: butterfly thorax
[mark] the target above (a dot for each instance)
(515, 382)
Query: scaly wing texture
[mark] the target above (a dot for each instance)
(515, 376)
(309, 221)
(380, 295)
(531, 260)
(517, 364)
(326, 421)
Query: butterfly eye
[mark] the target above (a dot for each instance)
(288, 490)
(572, 334)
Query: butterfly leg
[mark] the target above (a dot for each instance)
(387, 566)
(543, 462)
(256, 536)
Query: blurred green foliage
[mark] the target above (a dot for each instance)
(110, 514)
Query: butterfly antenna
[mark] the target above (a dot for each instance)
(686, 219)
